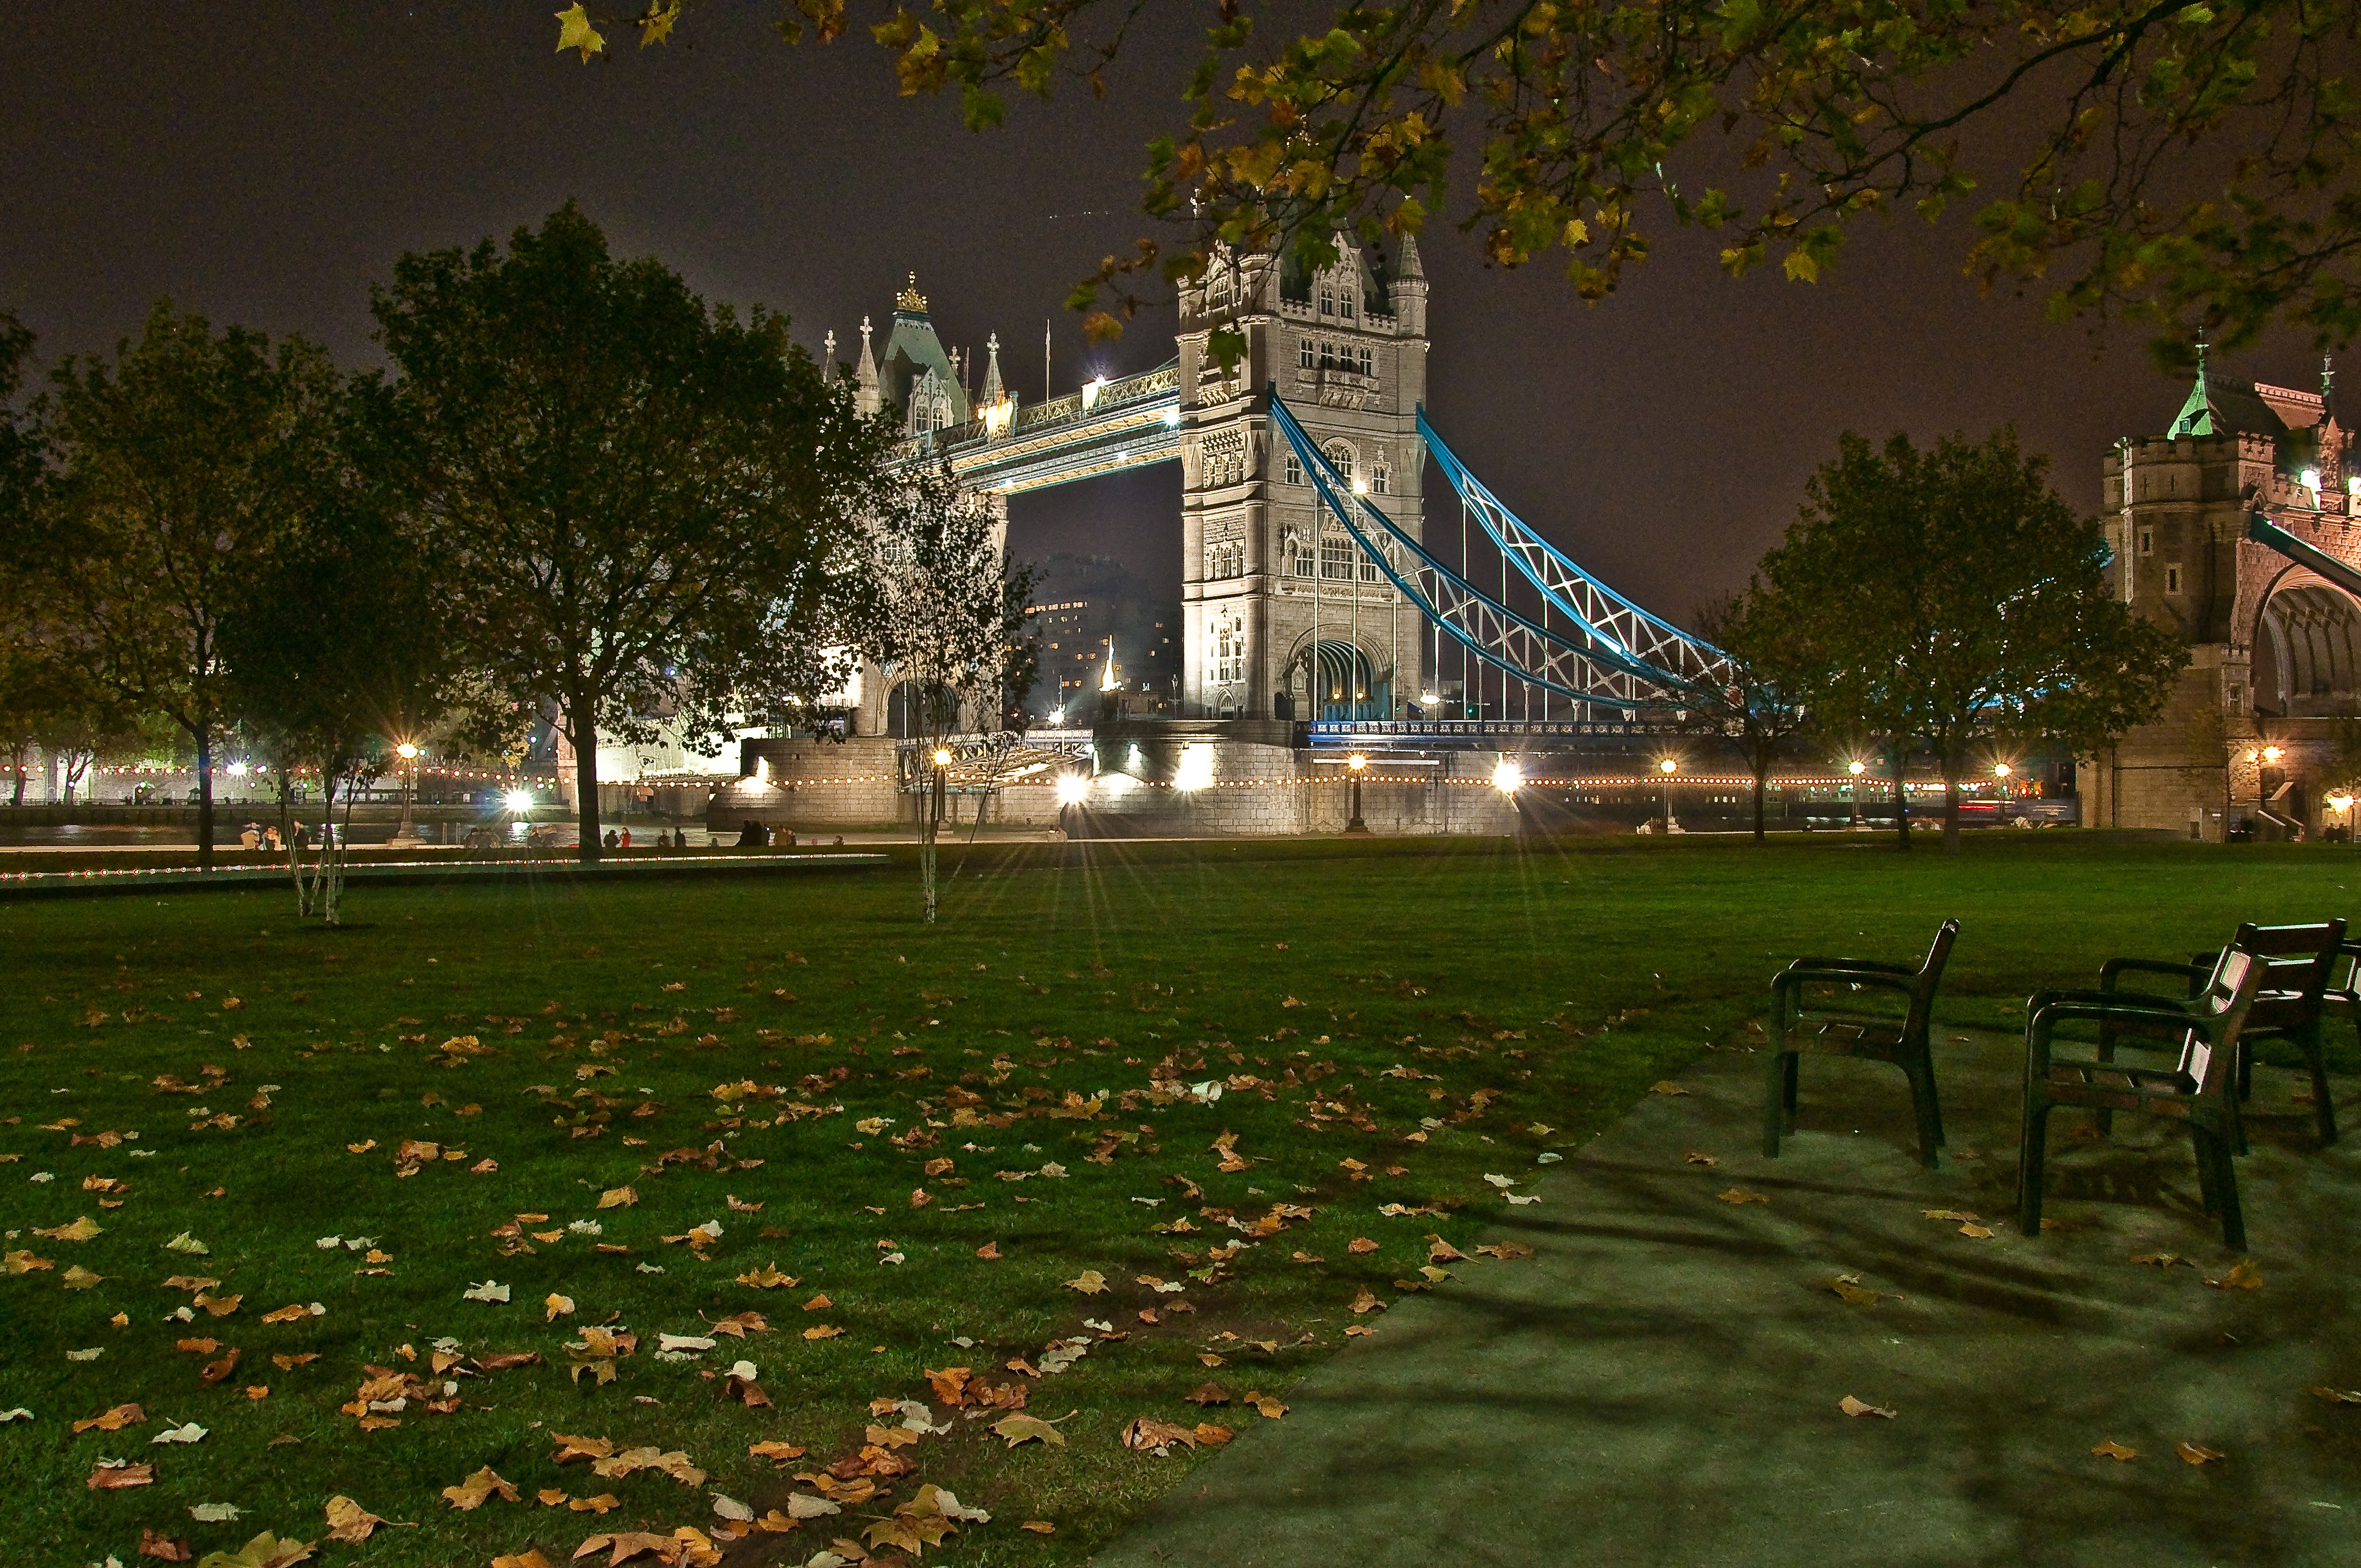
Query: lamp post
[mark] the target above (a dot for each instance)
(1667, 767)
(1860, 824)
(404, 832)
(1354, 765)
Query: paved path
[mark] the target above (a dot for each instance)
(1660, 1385)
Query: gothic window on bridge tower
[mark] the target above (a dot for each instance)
(1381, 475)
(1305, 354)
(1229, 651)
(1370, 571)
(1327, 299)
(1336, 552)
(1217, 293)
(1292, 473)
(1299, 552)
(1339, 457)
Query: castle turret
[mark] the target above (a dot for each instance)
(866, 396)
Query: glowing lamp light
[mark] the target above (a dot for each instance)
(1090, 390)
(1856, 768)
(1506, 777)
(1073, 789)
(1171, 418)
(237, 770)
(2001, 770)
(406, 752)
(1669, 766)
(1195, 770)
(518, 800)
(2272, 754)
(2340, 803)
(1356, 762)
(1360, 486)
(942, 756)
(2309, 479)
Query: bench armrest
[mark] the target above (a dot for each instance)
(1873, 965)
(2113, 967)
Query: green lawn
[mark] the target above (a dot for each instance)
(1390, 1022)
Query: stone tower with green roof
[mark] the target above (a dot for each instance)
(2275, 651)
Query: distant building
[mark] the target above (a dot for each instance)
(1082, 602)
(2247, 741)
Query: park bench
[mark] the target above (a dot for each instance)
(1804, 1019)
(2299, 961)
(2200, 1088)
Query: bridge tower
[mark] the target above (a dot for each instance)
(2275, 650)
(1284, 618)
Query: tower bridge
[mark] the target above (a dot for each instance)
(1318, 617)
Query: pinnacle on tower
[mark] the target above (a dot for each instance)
(910, 300)
(1410, 266)
(992, 388)
(868, 398)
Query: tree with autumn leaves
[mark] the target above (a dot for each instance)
(2183, 162)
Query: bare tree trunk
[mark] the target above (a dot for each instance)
(1901, 801)
(204, 732)
(929, 894)
(332, 897)
(22, 752)
(585, 782)
(1951, 809)
(1762, 782)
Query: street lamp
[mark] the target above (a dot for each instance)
(1856, 768)
(2001, 770)
(1354, 765)
(1667, 767)
(404, 832)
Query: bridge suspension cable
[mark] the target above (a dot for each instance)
(1610, 654)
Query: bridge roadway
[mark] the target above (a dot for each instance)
(1105, 428)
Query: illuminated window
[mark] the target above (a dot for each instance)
(1335, 558)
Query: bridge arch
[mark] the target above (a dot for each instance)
(2306, 643)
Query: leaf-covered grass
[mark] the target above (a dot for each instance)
(1425, 1010)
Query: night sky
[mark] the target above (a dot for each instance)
(264, 162)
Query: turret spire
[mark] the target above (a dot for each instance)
(992, 389)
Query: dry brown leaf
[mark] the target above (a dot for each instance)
(116, 1420)
(2116, 1451)
(1208, 1394)
(113, 1475)
(1698, 1156)
(989, 1251)
(618, 1198)
(822, 1330)
(1979, 1233)
(2198, 1454)
(2162, 1259)
(1089, 1282)
(469, 1494)
(1267, 1404)
(1665, 1086)
(171, 1549)
(819, 1303)
(1852, 1292)
(1740, 1195)
(1019, 1428)
(2340, 1395)
(1361, 1244)
(1853, 1407)
(80, 1230)
(1366, 1302)
(347, 1520)
(294, 1312)
(528, 1558)
(768, 1278)
(1039, 1527)
(2244, 1275)
(218, 1371)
